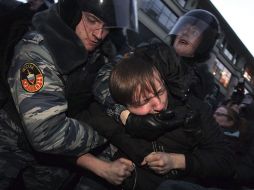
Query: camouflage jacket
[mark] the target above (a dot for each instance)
(41, 79)
(102, 93)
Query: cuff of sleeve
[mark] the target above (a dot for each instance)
(189, 164)
(116, 111)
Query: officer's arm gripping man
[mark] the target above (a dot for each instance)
(43, 112)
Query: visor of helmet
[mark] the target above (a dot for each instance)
(190, 28)
(114, 13)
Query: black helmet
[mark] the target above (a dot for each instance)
(115, 13)
(207, 24)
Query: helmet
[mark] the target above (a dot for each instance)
(206, 23)
(115, 13)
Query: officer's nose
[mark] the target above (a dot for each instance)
(101, 31)
(98, 33)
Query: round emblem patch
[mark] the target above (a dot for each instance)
(31, 77)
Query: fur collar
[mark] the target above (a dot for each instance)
(66, 48)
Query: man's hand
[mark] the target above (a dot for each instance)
(162, 163)
(114, 172)
(151, 126)
(117, 171)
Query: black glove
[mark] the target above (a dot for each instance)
(152, 126)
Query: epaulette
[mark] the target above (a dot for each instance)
(33, 37)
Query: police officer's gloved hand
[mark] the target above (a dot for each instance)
(151, 126)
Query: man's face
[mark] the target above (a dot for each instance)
(151, 102)
(91, 30)
(222, 118)
(187, 41)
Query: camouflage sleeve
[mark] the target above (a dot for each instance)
(38, 93)
(102, 93)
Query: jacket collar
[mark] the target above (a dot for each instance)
(67, 49)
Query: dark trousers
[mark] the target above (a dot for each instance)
(181, 185)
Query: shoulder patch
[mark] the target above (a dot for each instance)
(31, 77)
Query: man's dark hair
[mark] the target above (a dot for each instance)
(238, 93)
(131, 73)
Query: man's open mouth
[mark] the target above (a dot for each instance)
(183, 41)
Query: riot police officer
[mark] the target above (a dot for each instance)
(193, 38)
(53, 70)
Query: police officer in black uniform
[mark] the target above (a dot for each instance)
(193, 38)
